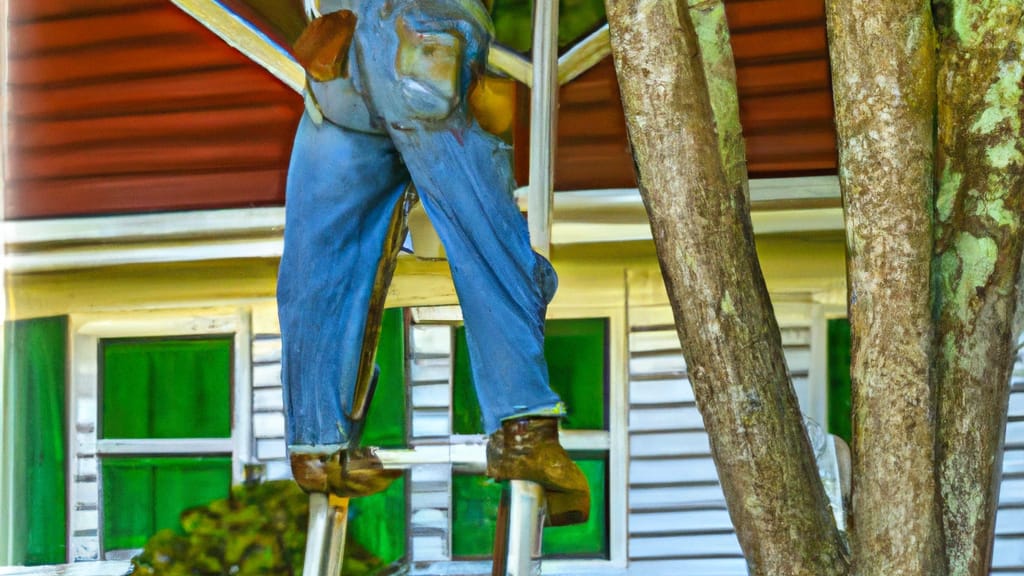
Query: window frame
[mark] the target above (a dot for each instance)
(85, 449)
(614, 441)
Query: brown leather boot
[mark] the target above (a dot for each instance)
(346, 473)
(528, 449)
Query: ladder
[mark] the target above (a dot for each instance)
(517, 544)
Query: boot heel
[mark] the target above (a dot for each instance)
(528, 449)
(565, 508)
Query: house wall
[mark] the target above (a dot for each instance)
(678, 520)
(674, 516)
(795, 266)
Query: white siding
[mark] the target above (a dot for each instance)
(430, 370)
(428, 360)
(678, 521)
(1008, 551)
(268, 406)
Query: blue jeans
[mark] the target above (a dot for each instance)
(401, 115)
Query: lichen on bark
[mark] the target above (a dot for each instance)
(978, 249)
(712, 30)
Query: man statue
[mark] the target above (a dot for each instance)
(387, 103)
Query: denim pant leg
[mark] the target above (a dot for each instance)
(503, 286)
(463, 177)
(343, 187)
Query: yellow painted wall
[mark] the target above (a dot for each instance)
(802, 266)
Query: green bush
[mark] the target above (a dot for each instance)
(259, 529)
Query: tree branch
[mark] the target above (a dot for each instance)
(978, 212)
(700, 220)
(883, 78)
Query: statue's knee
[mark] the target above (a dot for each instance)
(545, 277)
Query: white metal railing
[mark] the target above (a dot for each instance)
(543, 124)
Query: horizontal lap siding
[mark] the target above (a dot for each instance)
(429, 376)
(131, 105)
(1008, 550)
(268, 406)
(430, 373)
(678, 519)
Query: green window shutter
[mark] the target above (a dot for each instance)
(839, 399)
(35, 359)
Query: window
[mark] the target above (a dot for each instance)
(839, 399)
(158, 398)
(377, 524)
(159, 421)
(577, 356)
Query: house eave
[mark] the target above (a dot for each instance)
(784, 205)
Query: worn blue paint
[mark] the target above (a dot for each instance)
(384, 123)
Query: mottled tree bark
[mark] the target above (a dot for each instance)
(978, 242)
(883, 81)
(692, 178)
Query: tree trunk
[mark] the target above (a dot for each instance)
(978, 241)
(883, 80)
(695, 194)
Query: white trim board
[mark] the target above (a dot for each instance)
(85, 448)
(168, 226)
(584, 216)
